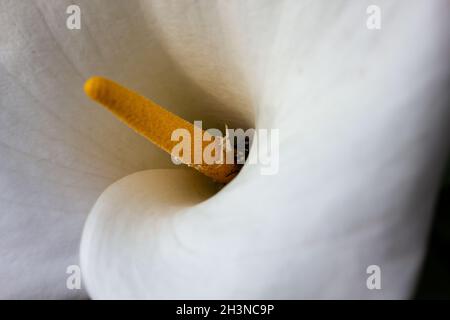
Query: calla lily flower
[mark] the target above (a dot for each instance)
(362, 117)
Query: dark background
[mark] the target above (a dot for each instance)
(434, 281)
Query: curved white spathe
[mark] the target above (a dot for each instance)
(362, 117)
(144, 209)
(356, 110)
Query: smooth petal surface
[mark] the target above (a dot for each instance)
(362, 118)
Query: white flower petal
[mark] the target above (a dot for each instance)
(361, 116)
